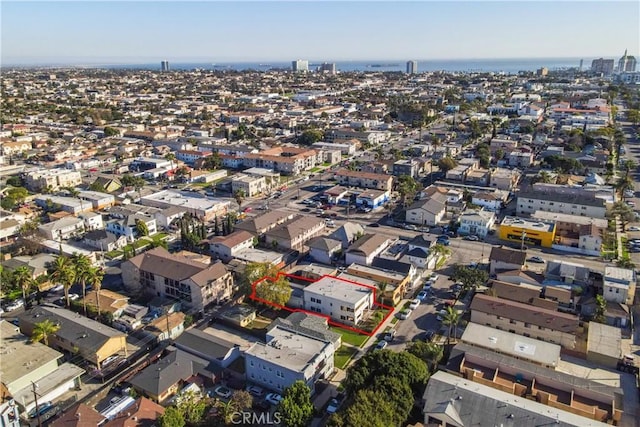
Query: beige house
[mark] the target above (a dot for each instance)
(53, 179)
(530, 321)
(366, 248)
(261, 224)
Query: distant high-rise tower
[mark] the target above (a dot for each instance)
(164, 65)
(300, 66)
(412, 67)
(626, 63)
(581, 64)
(602, 66)
(327, 67)
(542, 71)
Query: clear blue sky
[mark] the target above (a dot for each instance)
(139, 32)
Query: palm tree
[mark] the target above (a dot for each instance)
(64, 273)
(440, 250)
(94, 277)
(171, 157)
(23, 277)
(74, 193)
(239, 195)
(381, 286)
(44, 329)
(451, 319)
(81, 266)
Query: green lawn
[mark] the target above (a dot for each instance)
(342, 356)
(159, 236)
(113, 254)
(314, 170)
(350, 337)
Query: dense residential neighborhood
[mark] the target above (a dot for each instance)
(451, 249)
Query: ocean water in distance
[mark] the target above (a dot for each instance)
(510, 66)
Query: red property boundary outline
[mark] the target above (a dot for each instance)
(332, 322)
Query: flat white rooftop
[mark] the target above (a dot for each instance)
(339, 289)
(514, 345)
(288, 349)
(177, 198)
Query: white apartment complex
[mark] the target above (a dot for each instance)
(52, 179)
(343, 301)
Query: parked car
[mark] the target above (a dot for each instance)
(414, 304)
(273, 398)
(434, 277)
(389, 335)
(472, 238)
(58, 288)
(441, 314)
(404, 314)
(536, 259)
(42, 408)
(333, 406)
(255, 390)
(374, 224)
(15, 305)
(422, 295)
(634, 228)
(73, 297)
(222, 391)
(381, 345)
(443, 242)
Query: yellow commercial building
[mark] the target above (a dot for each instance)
(536, 232)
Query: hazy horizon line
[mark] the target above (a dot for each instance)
(153, 60)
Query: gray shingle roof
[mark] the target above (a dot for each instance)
(204, 343)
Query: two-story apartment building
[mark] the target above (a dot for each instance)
(476, 223)
(63, 228)
(341, 300)
(248, 184)
(376, 181)
(128, 227)
(160, 273)
(287, 160)
(294, 233)
(289, 356)
(226, 247)
(366, 248)
(561, 200)
(524, 319)
(260, 224)
(52, 179)
(429, 211)
(619, 285)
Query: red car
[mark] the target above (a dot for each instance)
(247, 210)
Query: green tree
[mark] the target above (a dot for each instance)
(622, 211)
(171, 157)
(310, 136)
(192, 406)
(633, 115)
(430, 352)
(404, 366)
(277, 291)
(469, 277)
(451, 319)
(369, 408)
(172, 417)
(407, 187)
(212, 162)
(109, 131)
(296, 408)
(439, 250)
(141, 228)
(381, 287)
(43, 330)
(239, 196)
(93, 277)
(601, 307)
(81, 267)
(446, 164)
(241, 400)
(62, 272)
(23, 277)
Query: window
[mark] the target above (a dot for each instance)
(513, 322)
(527, 325)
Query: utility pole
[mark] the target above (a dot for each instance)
(524, 234)
(34, 387)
